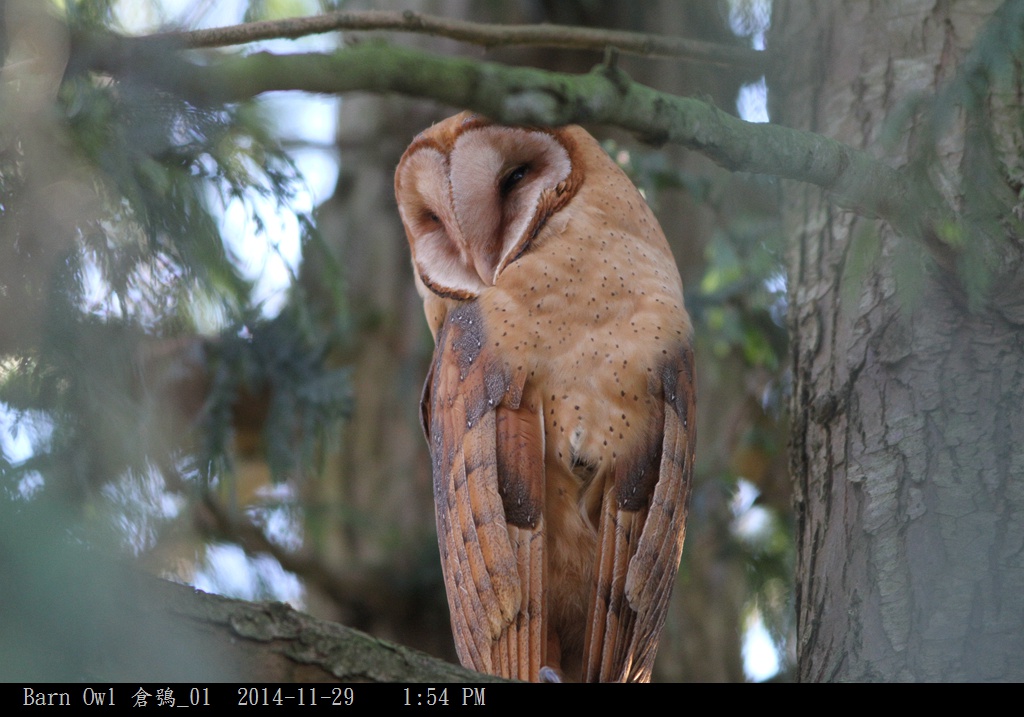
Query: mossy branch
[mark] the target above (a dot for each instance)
(517, 95)
(482, 34)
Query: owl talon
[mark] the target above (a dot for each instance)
(548, 674)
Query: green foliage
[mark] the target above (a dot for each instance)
(158, 158)
(739, 300)
(277, 9)
(148, 336)
(285, 359)
(653, 173)
(89, 13)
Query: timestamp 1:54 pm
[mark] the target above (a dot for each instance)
(439, 697)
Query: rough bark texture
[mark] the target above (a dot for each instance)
(908, 406)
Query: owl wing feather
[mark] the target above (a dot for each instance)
(488, 454)
(487, 450)
(640, 538)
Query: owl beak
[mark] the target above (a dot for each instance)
(485, 261)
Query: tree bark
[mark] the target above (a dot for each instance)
(908, 406)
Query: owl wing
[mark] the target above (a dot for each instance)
(640, 536)
(488, 466)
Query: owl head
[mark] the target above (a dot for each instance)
(473, 195)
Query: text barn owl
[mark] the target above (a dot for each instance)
(559, 407)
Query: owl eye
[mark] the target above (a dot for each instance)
(513, 178)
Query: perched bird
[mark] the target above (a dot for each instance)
(559, 407)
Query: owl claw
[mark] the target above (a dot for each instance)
(548, 674)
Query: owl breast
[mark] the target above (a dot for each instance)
(590, 314)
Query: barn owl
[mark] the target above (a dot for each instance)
(559, 406)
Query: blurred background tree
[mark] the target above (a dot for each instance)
(211, 350)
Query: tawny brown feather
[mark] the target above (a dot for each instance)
(559, 407)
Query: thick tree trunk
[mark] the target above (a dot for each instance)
(908, 406)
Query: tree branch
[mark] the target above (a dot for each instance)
(273, 642)
(69, 614)
(484, 34)
(519, 95)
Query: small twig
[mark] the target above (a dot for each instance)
(484, 34)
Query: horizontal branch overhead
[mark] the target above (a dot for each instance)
(482, 34)
(520, 95)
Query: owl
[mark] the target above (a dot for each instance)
(559, 406)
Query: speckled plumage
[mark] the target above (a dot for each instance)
(560, 404)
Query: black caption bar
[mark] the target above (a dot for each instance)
(157, 697)
(339, 699)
